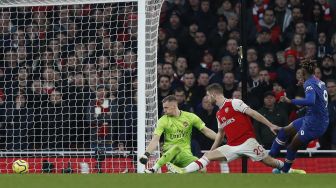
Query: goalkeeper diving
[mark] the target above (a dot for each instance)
(176, 126)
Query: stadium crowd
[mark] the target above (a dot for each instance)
(68, 73)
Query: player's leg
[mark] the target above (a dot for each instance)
(165, 158)
(292, 148)
(183, 159)
(223, 153)
(283, 135)
(274, 163)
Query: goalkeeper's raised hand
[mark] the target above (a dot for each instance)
(144, 158)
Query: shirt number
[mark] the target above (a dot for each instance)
(325, 97)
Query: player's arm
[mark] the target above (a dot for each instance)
(219, 139)
(200, 125)
(257, 116)
(155, 140)
(240, 106)
(209, 133)
(153, 144)
(151, 147)
(309, 99)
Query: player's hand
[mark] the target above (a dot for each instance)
(275, 129)
(144, 158)
(285, 99)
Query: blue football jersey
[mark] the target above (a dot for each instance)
(317, 114)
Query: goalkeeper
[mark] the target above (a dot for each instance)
(176, 125)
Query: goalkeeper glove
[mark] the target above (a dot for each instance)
(144, 158)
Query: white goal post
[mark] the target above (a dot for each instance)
(86, 73)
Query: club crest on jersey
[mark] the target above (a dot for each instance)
(185, 124)
(226, 110)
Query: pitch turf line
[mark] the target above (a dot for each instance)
(168, 181)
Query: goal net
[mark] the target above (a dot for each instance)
(78, 84)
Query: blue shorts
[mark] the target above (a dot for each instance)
(305, 131)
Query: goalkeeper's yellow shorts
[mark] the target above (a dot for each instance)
(183, 159)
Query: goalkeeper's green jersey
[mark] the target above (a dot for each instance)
(177, 129)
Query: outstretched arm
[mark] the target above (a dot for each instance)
(209, 133)
(309, 100)
(153, 144)
(257, 116)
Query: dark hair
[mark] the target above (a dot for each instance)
(217, 88)
(309, 65)
(179, 89)
(169, 98)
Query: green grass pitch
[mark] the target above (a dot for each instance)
(168, 180)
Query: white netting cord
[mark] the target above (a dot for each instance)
(69, 80)
(153, 8)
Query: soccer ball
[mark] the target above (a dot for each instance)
(20, 166)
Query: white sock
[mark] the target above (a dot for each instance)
(197, 165)
(156, 167)
(280, 164)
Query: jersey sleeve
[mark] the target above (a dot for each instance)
(309, 97)
(161, 126)
(239, 105)
(197, 122)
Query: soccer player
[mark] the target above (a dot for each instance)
(233, 121)
(176, 125)
(313, 125)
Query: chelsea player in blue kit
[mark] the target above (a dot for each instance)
(313, 125)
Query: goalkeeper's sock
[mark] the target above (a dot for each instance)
(197, 165)
(167, 157)
(278, 142)
(290, 156)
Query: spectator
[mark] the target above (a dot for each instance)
(323, 46)
(189, 82)
(195, 53)
(206, 18)
(202, 83)
(181, 66)
(181, 100)
(237, 95)
(297, 44)
(328, 68)
(225, 8)
(269, 22)
(102, 116)
(269, 65)
(286, 73)
(282, 14)
(275, 115)
(164, 89)
(19, 124)
(229, 85)
(218, 36)
(207, 112)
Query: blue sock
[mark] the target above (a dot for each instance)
(290, 156)
(278, 142)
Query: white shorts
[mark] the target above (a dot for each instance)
(250, 148)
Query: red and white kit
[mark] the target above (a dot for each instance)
(239, 132)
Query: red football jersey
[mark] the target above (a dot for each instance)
(235, 123)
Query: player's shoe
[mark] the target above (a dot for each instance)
(291, 171)
(276, 171)
(296, 171)
(175, 169)
(149, 171)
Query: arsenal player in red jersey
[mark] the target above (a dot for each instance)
(234, 121)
